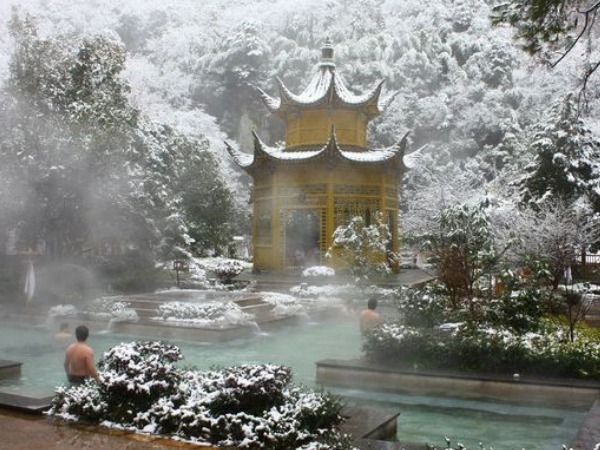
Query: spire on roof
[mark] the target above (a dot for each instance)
(327, 55)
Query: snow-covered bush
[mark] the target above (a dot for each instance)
(227, 270)
(422, 307)
(137, 374)
(124, 315)
(318, 272)
(469, 347)
(62, 311)
(213, 314)
(114, 307)
(250, 406)
(283, 305)
(80, 403)
(362, 247)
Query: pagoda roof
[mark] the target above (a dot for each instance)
(327, 88)
(329, 153)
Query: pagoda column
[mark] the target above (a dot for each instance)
(330, 214)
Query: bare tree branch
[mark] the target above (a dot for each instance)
(586, 77)
(576, 41)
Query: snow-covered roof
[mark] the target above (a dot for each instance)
(331, 151)
(326, 87)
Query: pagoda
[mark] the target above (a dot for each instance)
(324, 176)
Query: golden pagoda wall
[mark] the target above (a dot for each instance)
(332, 196)
(314, 127)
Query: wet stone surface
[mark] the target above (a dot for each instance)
(25, 432)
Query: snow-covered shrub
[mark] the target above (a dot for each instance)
(250, 406)
(362, 248)
(124, 315)
(422, 307)
(213, 314)
(462, 249)
(283, 305)
(397, 344)
(137, 374)
(318, 271)
(83, 402)
(196, 271)
(62, 311)
(246, 388)
(108, 308)
(469, 347)
(253, 406)
(520, 310)
(323, 293)
(227, 270)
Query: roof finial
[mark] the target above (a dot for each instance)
(327, 54)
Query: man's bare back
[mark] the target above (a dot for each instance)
(79, 361)
(369, 318)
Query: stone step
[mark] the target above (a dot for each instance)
(260, 312)
(250, 301)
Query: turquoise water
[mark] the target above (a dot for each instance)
(422, 419)
(503, 426)
(298, 346)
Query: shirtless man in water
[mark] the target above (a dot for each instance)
(79, 359)
(369, 318)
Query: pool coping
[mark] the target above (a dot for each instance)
(10, 369)
(368, 425)
(25, 404)
(565, 392)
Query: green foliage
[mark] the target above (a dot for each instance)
(518, 310)
(523, 326)
(208, 205)
(133, 271)
(424, 307)
(407, 347)
(484, 349)
(538, 22)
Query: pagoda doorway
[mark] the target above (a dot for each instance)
(301, 235)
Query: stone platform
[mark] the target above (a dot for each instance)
(10, 370)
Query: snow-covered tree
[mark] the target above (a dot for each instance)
(93, 169)
(554, 233)
(567, 158)
(363, 248)
(463, 249)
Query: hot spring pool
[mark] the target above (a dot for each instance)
(503, 426)
(422, 419)
(297, 346)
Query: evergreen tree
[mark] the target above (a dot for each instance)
(567, 158)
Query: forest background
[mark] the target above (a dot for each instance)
(113, 115)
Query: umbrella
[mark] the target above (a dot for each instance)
(30, 282)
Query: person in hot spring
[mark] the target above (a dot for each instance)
(369, 318)
(79, 359)
(63, 337)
